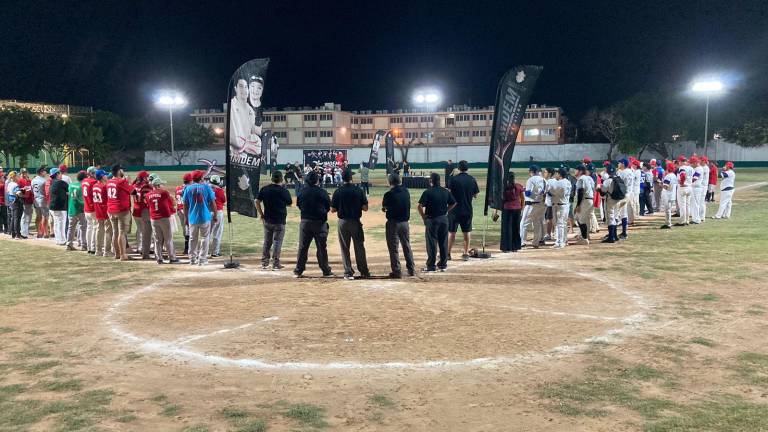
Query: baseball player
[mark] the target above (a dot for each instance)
(560, 192)
(549, 180)
(89, 210)
(614, 189)
(41, 205)
(726, 191)
(684, 190)
(713, 175)
(533, 213)
(704, 163)
(623, 212)
(103, 246)
(187, 179)
(585, 194)
(698, 190)
(217, 229)
(160, 204)
(668, 195)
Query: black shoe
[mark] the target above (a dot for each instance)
(297, 274)
(608, 240)
(411, 273)
(623, 236)
(365, 276)
(679, 224)
(395, 276)
(428, 270)
(92, 252)
(449, 257)
(665, 227)
(160, 262)
(328, 275)
(174, 261)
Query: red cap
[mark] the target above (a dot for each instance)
(63, 168)
(197, 175)
(142, 175)
(653, 162)
(635, 162)
(82, 172)
(729, 165)
(186, 178)
(587, 159)
(694, 160)
(681, 158)
(670, 166)
(606, 163)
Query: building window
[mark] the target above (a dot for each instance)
(427, 119)
(326, 134)
(462, 117)
(267, 118)
(411, 135)
(310, 134)
(366, 135)
(548, 132)
(532, 115)
(411, 119)
(366, 120)
(354, 135)
(278, 118)
(325, 117)
(450, 121)
(427, 135)
(310, 117)
(531, 132)
(280, 134)
(395, 120)
(478, 117)
(490, 117)
(462, 133)
(549, 114)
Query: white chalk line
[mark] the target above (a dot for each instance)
(179, 351)
(190, 339)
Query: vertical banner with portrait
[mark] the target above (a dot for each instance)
(389, 143)
(512, 96)
(246, 153)
(374, 158)
(274, 148)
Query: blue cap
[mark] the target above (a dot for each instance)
(610, 169)
(624, 162)
(54, 171)
(534, 168)
(100, 174)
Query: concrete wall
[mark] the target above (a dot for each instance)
(523, 153)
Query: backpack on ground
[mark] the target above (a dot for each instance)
(619, 189)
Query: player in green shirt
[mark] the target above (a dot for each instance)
(76, 215)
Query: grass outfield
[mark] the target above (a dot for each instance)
(700, 363)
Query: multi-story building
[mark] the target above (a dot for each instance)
(330, 126)
(48, 109)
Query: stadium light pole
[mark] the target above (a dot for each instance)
(427, 99)
(171, 100)
(707, 88)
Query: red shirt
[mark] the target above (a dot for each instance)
(140, 191)
(159, 203)
(512, 197)
(712, 174)
(86, 186)
(2, 192)
(118, 195)
(99, 198)
(180, 197)
(27, 195)
(221, 197)
(47, 190)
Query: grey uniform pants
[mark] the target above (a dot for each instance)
(162, 235)
(26, 219)
(351, 231)
(217, 230)
(199, 240)
(143, 232)
(273, 243)
(437, 239)
(398, 234)
(103, 238)
(74, 220)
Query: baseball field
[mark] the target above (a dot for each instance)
(665, 331)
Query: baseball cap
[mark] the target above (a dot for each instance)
(197, 175)
(534, 168)
(63, 168)
(91, 169)
(152, 177)
(187, 177)
(624, 162)
(53, 171)
(23, 170)
(215, 179)
(100, 174)
(157, 181)
(142, 174)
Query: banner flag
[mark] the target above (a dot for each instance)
(512, 97)
(374, 158)
(246, 151)
(389, 142)
(274, 148)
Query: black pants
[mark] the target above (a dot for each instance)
(437, 238)
(366, 185)
(398, 234)
(645, 202)
(318, 231)
(351, 231)
(17, 210)
(4, 228)
(510, 230)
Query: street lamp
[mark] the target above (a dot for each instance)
(427, 99)
(708, 88)
(171, 100)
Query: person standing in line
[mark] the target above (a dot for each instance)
(103, 237)
(624, 212)
(200, 208)
(549, 180)
(594, 225)
(89, 210)
(561, 195)
(15, 205)
(28, 202)
(364, 173)
(63, 168)
(75, 213)
(314, 204)
(614, 189)
(514, 200)
(434, 205)
(349, 202)
(726, 191)
(4, 229)
(160, 204)
(464, 189)
(646, 185)
(684, 191)
(217, 229)
(41, 205)
(59, 206)
(713, 175)
(637, 179)
(140, 213)
(47, 195)
(533, 212)
(704, 163)
(271, 205)
(697, 191)
(448, 172)
(186, 179)
(397, 206)
(585, 195)
(668, 195)
(119, 209)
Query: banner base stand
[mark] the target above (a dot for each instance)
(483, 255)
(231, 264)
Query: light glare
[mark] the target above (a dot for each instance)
(707, 86)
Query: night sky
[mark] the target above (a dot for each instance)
(370, 55)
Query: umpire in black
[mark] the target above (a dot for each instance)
(434, 205)
(314, 204)
(397, 205)
(349, 201)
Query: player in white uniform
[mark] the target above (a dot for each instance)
(634, 192)
(727, 185)
(704, 188)
(684, 190)
(699, 188)
(560, 192)
(533, 213)
(668, 195)
(612, 202)
(585, 205)
(549, 213)
(623, 212)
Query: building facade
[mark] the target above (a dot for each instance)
(330, 126)
(47, 109)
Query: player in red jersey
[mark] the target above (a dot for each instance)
(140, 213)
(103, 233)
(119, 209)
(217, 230)
(180, 210)
(91, 225)
(161, 205)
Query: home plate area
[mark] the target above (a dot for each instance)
(479, 313)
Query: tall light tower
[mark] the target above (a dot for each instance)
(171, 100)
(708, 88)
(427, 99)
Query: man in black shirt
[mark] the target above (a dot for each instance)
(349, 201)
(59, 205)
(314, 204)
(464, 189)
(448, 172)
(434, 205)
(397, 205)
(275, 198)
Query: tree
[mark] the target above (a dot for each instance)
(188, 136)
(90, 139)
(607, 123)
(753, 133)
(57, 136)
(19, 130)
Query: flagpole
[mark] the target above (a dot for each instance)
(231, 264)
